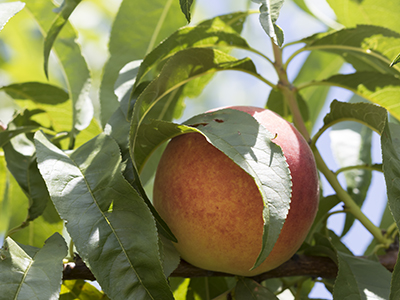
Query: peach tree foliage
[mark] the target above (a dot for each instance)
(74, 177)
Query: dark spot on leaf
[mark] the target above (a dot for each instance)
(199, 124)
(219, 120)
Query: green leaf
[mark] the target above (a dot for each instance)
(118, 127)
(37, 92)
(21, 162)
(366, 47)
(32, 273)
(386, 221)
(66, 9)
(184, 66)
(395, 61)
(74, 66)
(170, 257)
(277, 103)
(206, 287)
(269, 13)
(248, 289)
(4, 198)
(351, 146)
(250, 146)
(220, 31)
(138, 27)
(381, 89)
(185, 7)
(319, 65)
(361, 278)
(80, 290)
(325, 205)
(380, 13)
(110, 224)
(390, 140)
(8, 10)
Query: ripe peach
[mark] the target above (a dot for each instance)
(214, 207)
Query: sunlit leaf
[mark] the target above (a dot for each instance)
(138, 27)
(380, 13)
(221, 31)
(37, 92)
(269, 13)
(74, 66)
(8, 10)
(80, 290)
(381, 89)
(206, 287)
(319, 65)
(21, 162)
(111, 226)
(32, 273)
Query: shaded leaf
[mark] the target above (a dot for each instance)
(111, 226)
(361, 278)
(239, 136)
(319, 65)
(37, 92)
(19, 152)
(138, 27)
(4, 198)
(248, 289)
(390, 140)
(8, 10)
(66, 9)
(385, 222)
(170, 257)
(185, 7)
(32, 273)
(277, 103)
(325, 205)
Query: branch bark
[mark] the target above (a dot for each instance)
(298, 265)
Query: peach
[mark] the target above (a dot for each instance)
(214, 207)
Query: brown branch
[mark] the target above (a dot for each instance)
(298, 265)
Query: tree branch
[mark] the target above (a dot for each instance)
(298, 265)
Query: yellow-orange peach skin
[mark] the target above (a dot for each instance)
(214, 208)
